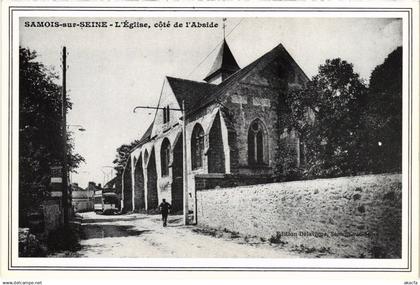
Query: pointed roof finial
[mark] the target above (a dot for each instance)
(224, 27)
(224, 64)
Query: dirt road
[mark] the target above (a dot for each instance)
(139, 235)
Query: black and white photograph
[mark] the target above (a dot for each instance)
(178, 139)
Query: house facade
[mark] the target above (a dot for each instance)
(82, 199)
(235, 131)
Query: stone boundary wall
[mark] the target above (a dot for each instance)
(211, 181)
(348, 217)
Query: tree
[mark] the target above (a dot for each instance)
(383, 115)
(123, 153)
(327, 114)
(40, 138)
(120, 161)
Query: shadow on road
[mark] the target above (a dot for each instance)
(174, 221)
(91, 231)
(88, 221)
(174, 226)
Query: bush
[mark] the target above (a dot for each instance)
(29, 245)
(276, 239)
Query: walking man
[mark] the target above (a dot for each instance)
(164, 209)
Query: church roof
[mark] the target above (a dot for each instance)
(146, 135)
(278, 51)
(225, 61)
(190, 91)
(145, 138)
(197, 95)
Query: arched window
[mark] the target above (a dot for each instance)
(197, 146)
(256, 143)
(164, 156)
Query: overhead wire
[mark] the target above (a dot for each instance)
(201, 62)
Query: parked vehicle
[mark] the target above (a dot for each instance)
(106, 203)
(98, 202)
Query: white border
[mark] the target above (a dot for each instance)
(128, 262)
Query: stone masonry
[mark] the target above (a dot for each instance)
(349, 217)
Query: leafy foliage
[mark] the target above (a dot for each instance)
(327, 114)
(122, 156)
(384, 115)
(40, 139)
(347, 128)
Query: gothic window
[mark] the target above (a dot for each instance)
(256, 143)
(197, 146)
(146, 156)
(164, 156)
(166, 114)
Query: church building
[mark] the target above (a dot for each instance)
(235, 132)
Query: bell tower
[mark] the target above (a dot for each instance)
(224, 64)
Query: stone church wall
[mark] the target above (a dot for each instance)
(349, 217)
(247, 103)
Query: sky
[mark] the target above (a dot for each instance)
(112, 70)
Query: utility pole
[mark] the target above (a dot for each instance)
(64, 136)
(184, 145)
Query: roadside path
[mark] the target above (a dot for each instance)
(142, 236)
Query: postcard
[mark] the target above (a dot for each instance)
(210, 137)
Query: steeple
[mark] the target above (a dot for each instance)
(224, 65)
